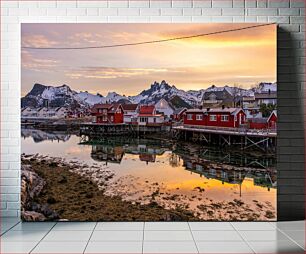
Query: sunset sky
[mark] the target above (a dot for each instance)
(243, 58)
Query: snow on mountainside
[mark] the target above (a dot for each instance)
(164, 90)
(113, 96)
(89, 98)
(65, 96)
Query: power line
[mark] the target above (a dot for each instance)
(148, 42)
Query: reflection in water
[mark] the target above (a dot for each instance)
(39, 135)
(168, 173)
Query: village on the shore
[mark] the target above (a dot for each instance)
(248, 119)
(218, 108)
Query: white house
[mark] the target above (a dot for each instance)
(129, 112)
(162, 106)
(28, 112)
(44, 112)
(148, 116)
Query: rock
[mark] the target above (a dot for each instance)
(31, 185)
(32, 216)
(51, 200)
(62, 179)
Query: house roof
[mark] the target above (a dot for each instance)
(146, 110)
(110, 107)
(179, 110)
(129, 106)
(220, 95)
(232, 111)
(274, 112)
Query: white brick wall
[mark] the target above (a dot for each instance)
(288, 13)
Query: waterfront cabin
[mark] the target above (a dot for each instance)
(147, 116)
(108, 113)
(130, 112)
(28, 112)
(215, 117)
(163, 107)
(264, 122)
(272, 119)
(178, 114)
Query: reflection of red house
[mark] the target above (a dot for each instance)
(147, 157)
(108, 113)
(217, 117)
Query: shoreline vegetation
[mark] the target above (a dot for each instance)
(53, 189)
(69, 196)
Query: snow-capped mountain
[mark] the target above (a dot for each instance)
(63, 95)
(166, 91)
(90, 99)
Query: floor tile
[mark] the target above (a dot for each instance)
(114, 247)
(22, 236)
(167, 236)
(258, 235)
(69, 226)
(17, 247)
(291, 225)
(223, 247)
(69, 236)
(166, 226)
(252, 226)
(9, 220)
(33, 226)
(169, 247)
(60, 247)
(106, 236)
(120, 226)
(5, 226)
(276, 247)
(297, 236)
(211, 226)
(216, 236)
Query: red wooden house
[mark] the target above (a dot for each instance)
(216, 117)
(264, 122)
(108, 113)
(271, 122)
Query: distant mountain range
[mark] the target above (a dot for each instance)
(64, 96)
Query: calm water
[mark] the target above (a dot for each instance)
(171, 174)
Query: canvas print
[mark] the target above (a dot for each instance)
(148, 122)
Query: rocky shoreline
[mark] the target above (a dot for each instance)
(53, 191)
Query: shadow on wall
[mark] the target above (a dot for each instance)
(290, 126)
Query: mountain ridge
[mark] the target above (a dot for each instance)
(63, 95)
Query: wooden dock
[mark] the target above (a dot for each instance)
(264, 140)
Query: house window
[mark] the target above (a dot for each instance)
(112, 118)
(189, 116)
(199, 117)
(104, 111)
(213, 118)
(224, 118)
(104, 118)
(143, 119)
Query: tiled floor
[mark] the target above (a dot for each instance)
(152, 237)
